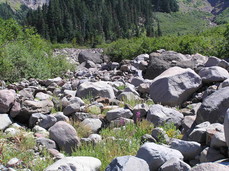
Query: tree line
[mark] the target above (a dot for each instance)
(95, 21)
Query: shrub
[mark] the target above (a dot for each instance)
(24, 54)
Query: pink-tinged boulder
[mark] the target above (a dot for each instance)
(174, 86)
(65, 136)
(7, 98)
(210, 167)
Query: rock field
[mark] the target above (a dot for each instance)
(191, 91)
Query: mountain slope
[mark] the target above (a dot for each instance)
(33, 4)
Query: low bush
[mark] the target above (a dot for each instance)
(24, 54)
(210, 43)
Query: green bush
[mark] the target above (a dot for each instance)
(209, 43)
(24, 54)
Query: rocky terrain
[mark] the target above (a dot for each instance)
(190, 91)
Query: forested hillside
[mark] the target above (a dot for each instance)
(92, 22)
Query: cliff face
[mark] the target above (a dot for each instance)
(219, 5)
(212, 6)
(35, 3)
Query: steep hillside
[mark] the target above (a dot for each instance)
(212, 6)
(33, 4)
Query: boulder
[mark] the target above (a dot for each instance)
(128, 96)
(29, 107)
(158, 115)
(7, 98)
(175, 164)
(47, 143)
(198, 134)
(159, 62)
(93, 89)
(15, 110)
(95, 138)
(65, 136)
(210, 154)
(47, 121)
(226, 127)
(71, 109)
(212, 61)
(43, 96)
(210, 167)
(56, 80)
(156, 155)
(127, 163)
(189, 149)
(174, 86)
(160, 135)
(93, 124)
(60, 116)
(5, 121)
(213, 74)
(214, 107)
(119, 112)
(76, 163)
(94, 57)
(218, 140)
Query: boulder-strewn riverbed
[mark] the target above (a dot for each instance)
(190, 92)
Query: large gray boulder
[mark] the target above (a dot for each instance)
(156, 155)
(127, 163)
(213, 74)
(7, 98)
(159, 62)
(92, 89)
(158, 115)
(5, 121)
(65, 136)
(214, 107)
(189, 149)
(94, 57)
(174, 86)
(75, 164)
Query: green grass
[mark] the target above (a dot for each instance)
(21, 146)
(180, 23)
(127, 143)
